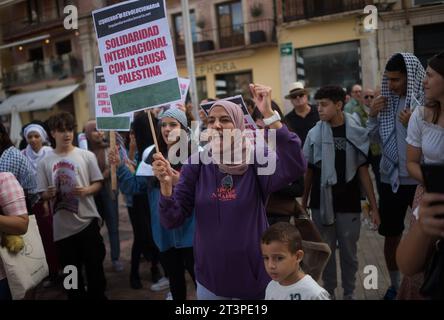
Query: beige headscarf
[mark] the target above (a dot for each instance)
(237, 116)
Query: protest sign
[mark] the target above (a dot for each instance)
(105, 120)
(144, 169)
(250, 125)
(137, 55)
(184, 85)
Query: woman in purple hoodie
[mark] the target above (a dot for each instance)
(229, 200)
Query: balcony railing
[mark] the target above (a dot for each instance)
(306, 9)
(59, 68)
(21, 23)
(251, 33)
(22, 27)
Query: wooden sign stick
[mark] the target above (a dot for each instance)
(153, 130)
(112, 141)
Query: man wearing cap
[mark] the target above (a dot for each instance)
(303, 117)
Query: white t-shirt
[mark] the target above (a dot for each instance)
(427, 136)
(304, 289)
(71, 214)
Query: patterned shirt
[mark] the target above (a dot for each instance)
(12, 201)
(12, 160)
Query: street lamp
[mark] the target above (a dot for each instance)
(189, 54)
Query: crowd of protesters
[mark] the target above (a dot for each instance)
(212, 218)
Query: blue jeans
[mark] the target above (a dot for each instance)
(5, 292)
(108, 210)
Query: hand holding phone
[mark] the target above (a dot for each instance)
(433, 176)
(431, 214)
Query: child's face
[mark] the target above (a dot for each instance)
(281, 265)
(328, 109)
(63, 138)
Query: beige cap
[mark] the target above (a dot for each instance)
(296, 88)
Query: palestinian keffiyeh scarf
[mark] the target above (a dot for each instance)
(12, 160)
(388, 116)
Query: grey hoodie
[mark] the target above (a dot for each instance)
(319, 150)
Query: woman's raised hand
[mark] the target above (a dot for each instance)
(262, 98)
(162, 169)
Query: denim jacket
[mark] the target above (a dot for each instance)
(165, 239)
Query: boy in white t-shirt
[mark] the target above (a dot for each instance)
(69, 177)
(282, 251)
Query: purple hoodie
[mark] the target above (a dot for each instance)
(230, 223)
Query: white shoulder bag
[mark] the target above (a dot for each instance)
(27, 268)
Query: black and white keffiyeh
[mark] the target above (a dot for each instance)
(12, 160)
(388, 116)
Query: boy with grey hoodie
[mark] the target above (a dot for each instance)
(336, 150)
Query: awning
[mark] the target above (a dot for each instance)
(24, 41)
(36, 100)
(4, 3)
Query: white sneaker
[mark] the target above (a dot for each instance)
(169, 296)
(160, 285)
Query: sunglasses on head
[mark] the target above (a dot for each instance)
(369, 97)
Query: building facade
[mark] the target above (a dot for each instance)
(325, 42)
(412, 26)
(44, 66)
(235, 43)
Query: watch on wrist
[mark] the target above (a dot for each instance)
(272, 119)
